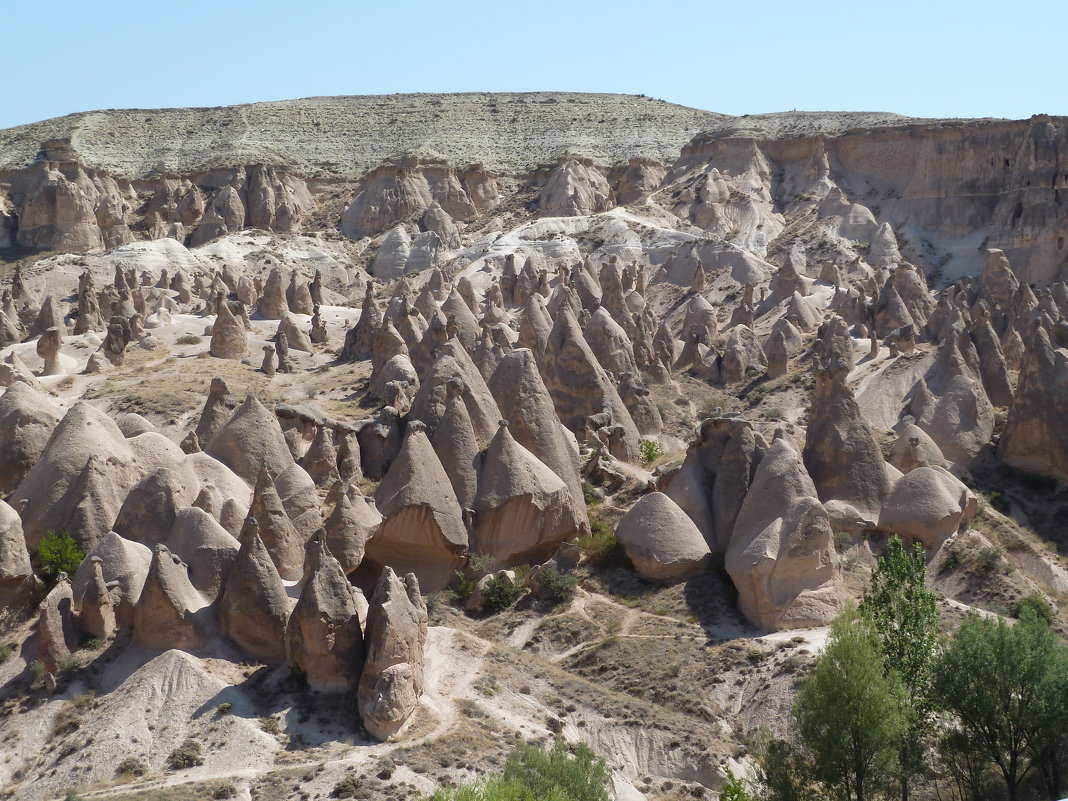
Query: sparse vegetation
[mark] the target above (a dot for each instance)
(602, 547)
(499, 593)
(557, 586)
(187, 755)
(188, 339)
(650, 450)
(131, 766)
(5, 653)
(536, 773)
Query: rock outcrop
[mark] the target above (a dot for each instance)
(393, 679)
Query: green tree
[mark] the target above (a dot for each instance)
(58, 553)
(1051, 747)
(734, 789)
(849, 711)
(904, 615)
(574, 771)
(782, 771)
(536, 773)
(1000, 684)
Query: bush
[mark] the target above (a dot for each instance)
(224, 791)
(534, 773)
(224, 708)
(71, 796)
(650, 450)
(589, 494)
(602, 546)
(58, 553)
(464, 581)
(557, 587)
(131, 766)
(952, 562)
(5, 653)
(1037, 604)
(188, 339)
(499, 594)
(187, 755)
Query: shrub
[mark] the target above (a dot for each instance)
(224, 791)
(131, 766)
(188, 339)
(952, 562)
(464, 581)
(187, 755)
(650, 450)
(68, 664)
(734, 789)
(59, 553)
(5, 653)
(602, 546)
(774, 413)
(589, 494)
(224, 708)
(270, 725)
(37, 668)
(71, 796)
(557, 587)
(992, 559)
(1036, 604)
(536, 773)
(499, 594)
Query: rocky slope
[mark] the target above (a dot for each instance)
(306, 422)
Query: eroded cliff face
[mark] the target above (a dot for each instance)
(947, 191)
(935, 193)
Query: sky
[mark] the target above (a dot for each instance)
(929, 58)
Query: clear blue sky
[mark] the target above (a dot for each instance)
(917, 57)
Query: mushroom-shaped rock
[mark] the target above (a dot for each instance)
(279, 535)
(252, 440)
(579, 385)
(323, 636)
(523, 510)
(96, 612)
(661, 541)
(273, 304)
(296, 337)
(253, 606)
(841, 455)
(1036, 437)
(16, 575)
(206, 547)
(80, 480)
(392, 679)
(423, 531)
(58, 634)
(913, 448)
(228, 338)
(457, 446)
(150, 507)
(320, 460)
(218, 408)
(927, 505)
(125, 565)
(166, 615)
(431, 400)
(781, 556)
(352, 523)
(27, 420)
(527, 406)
